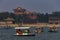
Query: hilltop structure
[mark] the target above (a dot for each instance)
(25, 16)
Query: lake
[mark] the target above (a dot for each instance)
(7, 34)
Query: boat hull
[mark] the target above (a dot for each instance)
(25, 35)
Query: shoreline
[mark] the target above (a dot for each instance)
(32, 25)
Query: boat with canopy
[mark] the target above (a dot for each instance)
(23, 31)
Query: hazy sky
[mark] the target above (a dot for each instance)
(31, 5)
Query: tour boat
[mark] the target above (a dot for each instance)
(23, 31)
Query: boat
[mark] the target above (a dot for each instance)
(39, 30)
(23, 31)
(53, 29)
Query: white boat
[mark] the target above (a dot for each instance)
(24, 31)
(22, 27)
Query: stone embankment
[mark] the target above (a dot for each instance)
(31, 25)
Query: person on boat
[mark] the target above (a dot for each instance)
(52, 29)
(28, 31)
(37, 30)
(18, 31)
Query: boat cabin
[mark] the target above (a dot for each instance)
(23, 31)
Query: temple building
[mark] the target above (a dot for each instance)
(28, 12)
(54, 20)
(32, 16)
(9, 20)
(2, 22)
(25, 16)
(19, 10)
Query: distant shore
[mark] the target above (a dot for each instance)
(31, 25)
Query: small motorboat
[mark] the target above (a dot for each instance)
(53, 29)
(23, 31)
(39, 30)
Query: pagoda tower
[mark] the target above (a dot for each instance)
(18, 10)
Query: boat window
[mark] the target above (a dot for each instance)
(26, 31)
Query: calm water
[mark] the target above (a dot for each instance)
(7, 34)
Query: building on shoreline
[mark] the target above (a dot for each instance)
(54, 20)
(21, 16)
(9, 20)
